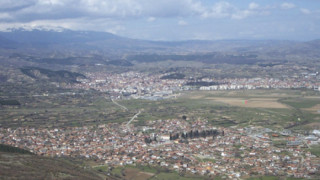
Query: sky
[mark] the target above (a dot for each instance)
(170, 20)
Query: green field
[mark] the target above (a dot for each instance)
(315, 150)
(63, 110)
(269, 108)
(169, 176)
(141, 172)
(274, 178)
(301, 102)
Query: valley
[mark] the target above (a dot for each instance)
(161, 112)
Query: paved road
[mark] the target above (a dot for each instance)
(123, 107)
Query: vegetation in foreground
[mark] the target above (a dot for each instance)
(16, 163)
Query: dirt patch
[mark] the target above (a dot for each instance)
(315, 109)
(312, 97)
(252, 102)
(132, 173)
(195, 96)
(315, 125)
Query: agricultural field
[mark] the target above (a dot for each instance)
(267, 103)
(272, 178)
(140, 172)
(268, 108)
(298, 109)
(62, 109)
(156, 173)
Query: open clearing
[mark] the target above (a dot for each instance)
(314, 109)
(269, 108)
(252, 102)
(132, 173)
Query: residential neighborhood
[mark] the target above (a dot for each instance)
(152, 87)
(234, 152)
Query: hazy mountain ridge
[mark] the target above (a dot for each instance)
(79, 44)
(101, 40)
(6, 43)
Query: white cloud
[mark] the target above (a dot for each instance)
(253, 5)
(182, 23)
(107, 25)
(12, 5)
(121, 16)
(305, 11)
(51, 2)
(116, 29)
(242, 14)
(29, 10)
(228, 10)
(5, 16)
(219, 10)
(287, 5)
(33, 10)
(151, 19)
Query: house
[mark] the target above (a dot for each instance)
(164, 138)
(286, 132)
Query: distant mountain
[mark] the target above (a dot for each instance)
(78, 47)
(55, 37)
(107, 42)
(6, 43)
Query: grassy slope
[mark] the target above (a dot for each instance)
(26, 166)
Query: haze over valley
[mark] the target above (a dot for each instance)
(187, 89)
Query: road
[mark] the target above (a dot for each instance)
(122, 107)
(135, 116)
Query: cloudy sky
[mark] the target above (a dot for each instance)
(170, 19)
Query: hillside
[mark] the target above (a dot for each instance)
(88, 47)
(16, 163)
(56, 76)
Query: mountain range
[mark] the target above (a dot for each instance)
(81, 43)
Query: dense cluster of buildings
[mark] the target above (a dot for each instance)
(153, 87)
(309, 82)
(234, 152)
(130, 85)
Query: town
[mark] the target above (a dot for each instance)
(234, 152)
(153, 87)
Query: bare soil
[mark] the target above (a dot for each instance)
(252, 102)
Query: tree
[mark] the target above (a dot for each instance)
(183, 135)
(203, 134)
(191, 135)
(196, 134)
(184, 117)
(147, 140)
